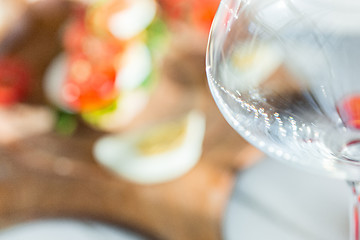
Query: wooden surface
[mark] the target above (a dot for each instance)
(52, 175)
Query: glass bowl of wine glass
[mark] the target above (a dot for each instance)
(284, 74)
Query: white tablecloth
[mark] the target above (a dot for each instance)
(274, 201)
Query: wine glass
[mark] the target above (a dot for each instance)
(285, 75)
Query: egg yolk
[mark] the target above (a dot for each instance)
(162, 138)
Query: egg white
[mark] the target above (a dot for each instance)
(136, 56)
(132, 21)
(252, 64)
(54, 79)
(120, 154)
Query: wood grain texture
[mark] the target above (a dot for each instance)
(52, 175)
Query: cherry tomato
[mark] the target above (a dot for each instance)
(14, 80)
(89, 86)
(79, 39)
(198, 13)
(203, 12)
(349, 111)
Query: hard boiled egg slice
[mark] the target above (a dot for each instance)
(156, 154)
(122, 19)
(134, 86)
(54, 79)
(136, 56)
(251, 64)
(131, 21)
(119, 114)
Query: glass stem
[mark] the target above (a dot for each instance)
(354, 211)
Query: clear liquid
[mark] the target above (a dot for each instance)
(282, 94)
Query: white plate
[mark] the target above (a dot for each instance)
(68, 229)
(274, 201)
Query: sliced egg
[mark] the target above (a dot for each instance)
(134, 19)
(54, 79)
(251, 64)
(156, 154)
(119, 114)
(132, 83)
(134, 95)
(136, 56)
